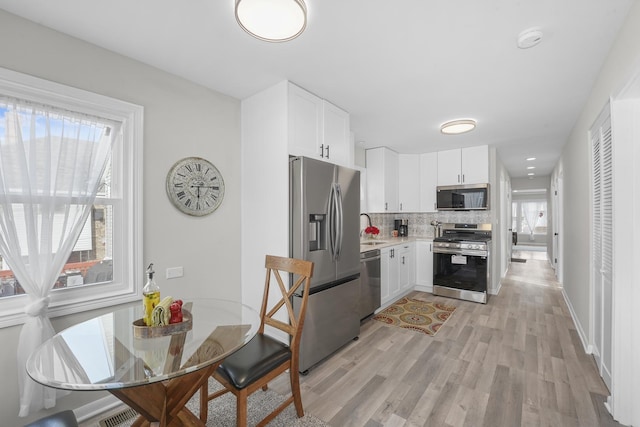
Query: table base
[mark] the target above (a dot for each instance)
(163, 403)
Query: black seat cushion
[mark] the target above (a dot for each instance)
(61, 419)
(260, 356)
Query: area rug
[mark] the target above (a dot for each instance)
(420, 316)
(222, 411)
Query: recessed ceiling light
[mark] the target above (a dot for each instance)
(455, 127)
(529, 38)
(530, 159)
(531, 167)
(531, 174)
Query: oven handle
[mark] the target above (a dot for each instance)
(459, 252)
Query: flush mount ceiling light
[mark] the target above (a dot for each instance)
(529, 38)
(455, 127)
(272, 20)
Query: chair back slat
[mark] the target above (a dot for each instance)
(302, 271)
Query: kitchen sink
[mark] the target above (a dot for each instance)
(373, 243)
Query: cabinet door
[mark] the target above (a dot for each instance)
(424, 264)
(428, 181)
(409, 182)
(385, 267)
(449, 167)
(394, 283)
(382, 180)
(305, 121)
(336, 138)
(475, 165)
(405, 268)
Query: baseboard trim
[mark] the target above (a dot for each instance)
(583, 337)
(96, 408)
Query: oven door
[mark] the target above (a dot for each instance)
(462, 270)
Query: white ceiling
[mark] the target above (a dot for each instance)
(401, 68)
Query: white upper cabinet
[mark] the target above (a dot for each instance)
(409, 183)
(318, 128)
(336, 135)
(463, 166)
(382, 180)
(428, 181)
(475, 165)
(305, 122)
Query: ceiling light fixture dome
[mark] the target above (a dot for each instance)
(272, 20)
(455, 127)
(529, 38)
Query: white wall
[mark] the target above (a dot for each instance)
(180, 119)
(622, 62)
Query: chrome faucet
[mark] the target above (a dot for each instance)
(369, 218)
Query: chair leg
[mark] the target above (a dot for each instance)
(241, 408)
(295, 391)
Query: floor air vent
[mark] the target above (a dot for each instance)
(117, 419)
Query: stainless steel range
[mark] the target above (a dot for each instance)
(461, 261)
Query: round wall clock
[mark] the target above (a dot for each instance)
(195, 186)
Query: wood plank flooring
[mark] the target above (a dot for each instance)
(516, 361)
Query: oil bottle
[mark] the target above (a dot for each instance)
(150, 295)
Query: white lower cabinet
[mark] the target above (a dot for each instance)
(397, 272)
(388, 274)
(406, 271)
(424, 265)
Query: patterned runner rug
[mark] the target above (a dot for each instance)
(420, 316)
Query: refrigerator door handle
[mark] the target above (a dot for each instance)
(340, 222)
(332, 222)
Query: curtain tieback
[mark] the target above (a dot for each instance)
(38, 307)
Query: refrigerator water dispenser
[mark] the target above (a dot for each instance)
(317, 232)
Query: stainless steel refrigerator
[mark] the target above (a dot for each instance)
(325, 229)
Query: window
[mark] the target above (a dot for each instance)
(105, 266)
(529, 216)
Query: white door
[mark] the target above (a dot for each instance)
(602, 242)
(505, 221)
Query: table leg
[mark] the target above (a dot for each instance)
(164, 402)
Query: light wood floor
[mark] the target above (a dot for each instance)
(516, 361)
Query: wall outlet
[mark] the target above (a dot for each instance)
(174, 272)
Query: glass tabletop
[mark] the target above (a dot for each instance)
(111, 351)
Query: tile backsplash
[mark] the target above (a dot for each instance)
(420, 223)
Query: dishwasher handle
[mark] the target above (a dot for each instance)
(370, 255)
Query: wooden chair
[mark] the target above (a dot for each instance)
(264, 358)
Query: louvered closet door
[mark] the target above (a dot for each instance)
(602, 250)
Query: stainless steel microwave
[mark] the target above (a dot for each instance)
(462, 197)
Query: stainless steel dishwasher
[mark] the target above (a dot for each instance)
(369, 282)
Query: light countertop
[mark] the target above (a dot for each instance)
(383, 242)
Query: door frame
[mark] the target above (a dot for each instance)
(625, 378)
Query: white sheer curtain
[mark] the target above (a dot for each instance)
(531, 213)
(51, 164)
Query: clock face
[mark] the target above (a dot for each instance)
(195, 186)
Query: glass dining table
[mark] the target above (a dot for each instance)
(154, 370)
